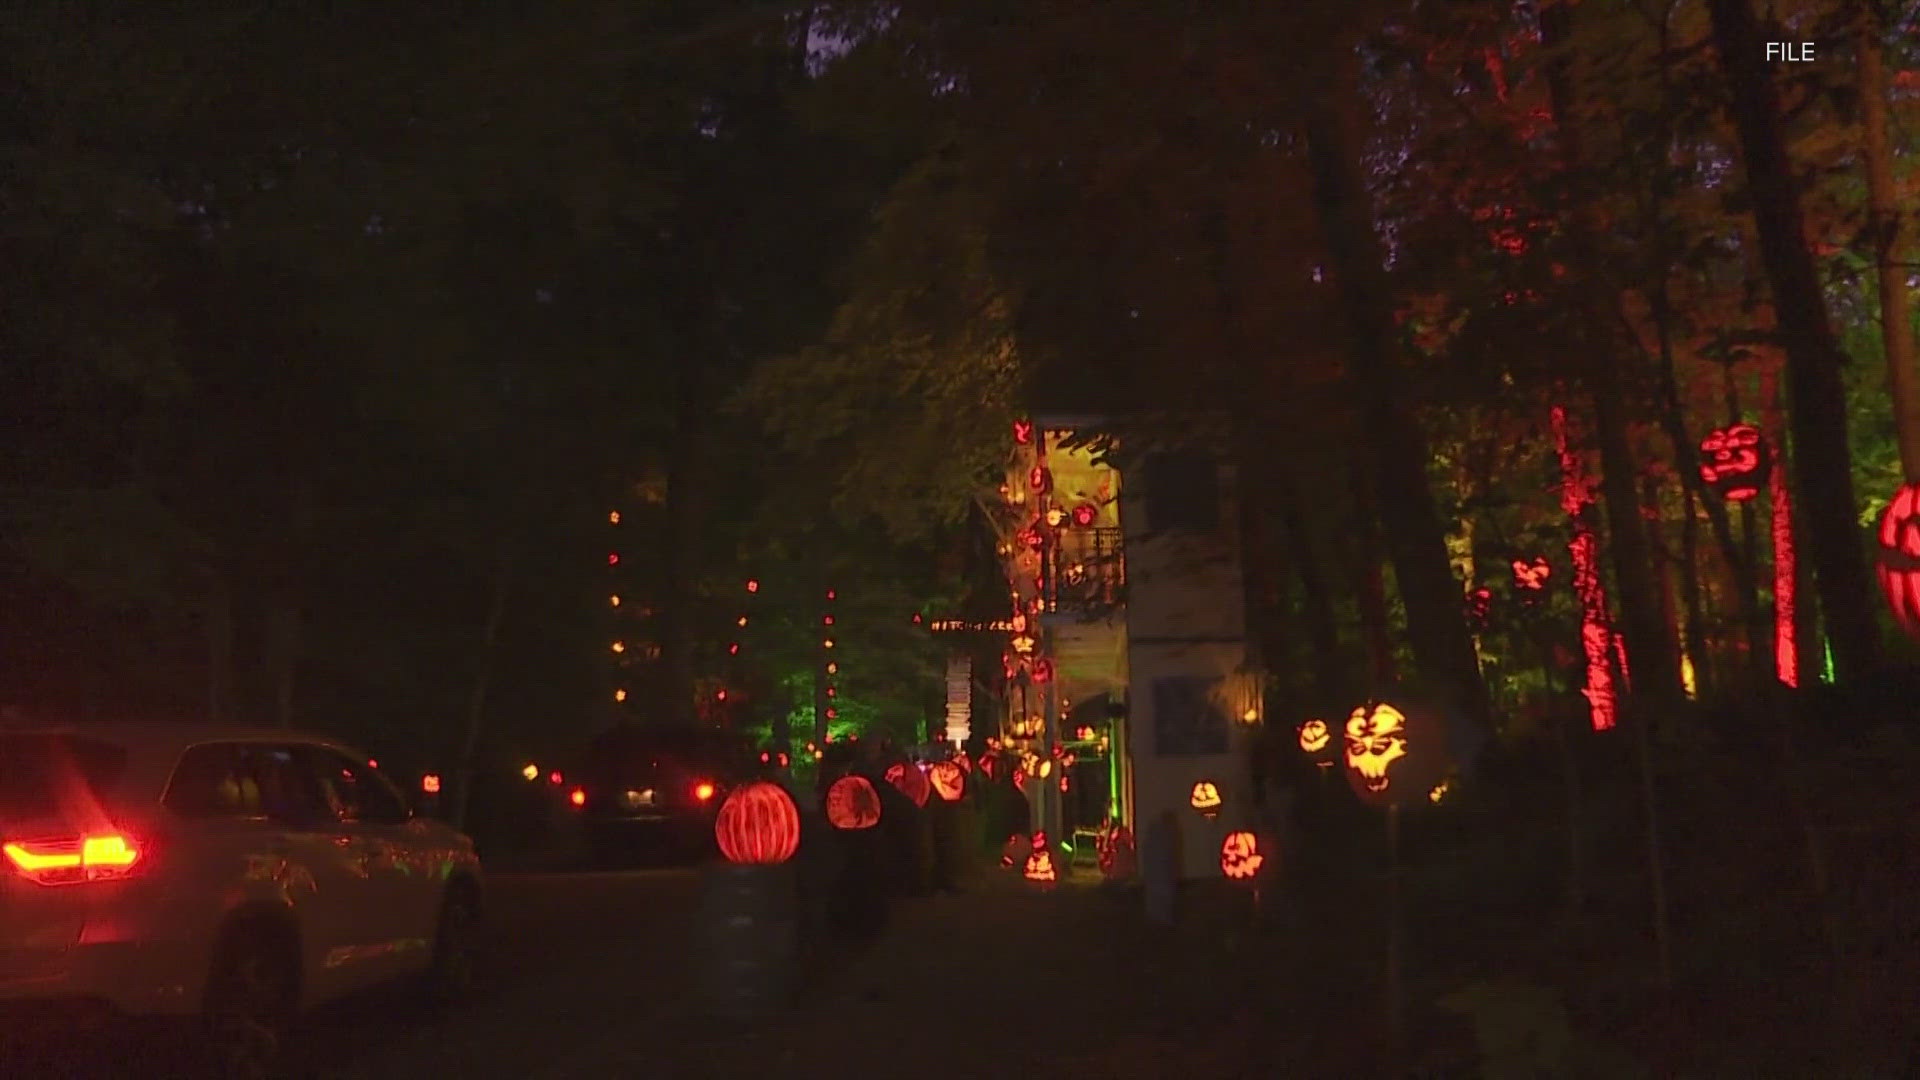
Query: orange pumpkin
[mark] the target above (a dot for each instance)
(910, 780)
(1039, 868)
(948, 779)
(1240, 856)
(1315, 737)
(759, 824)
(852, 803)
(1205, 798)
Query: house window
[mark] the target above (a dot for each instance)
(1183, 492)
(1187, 718)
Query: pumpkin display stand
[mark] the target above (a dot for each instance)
(749, 938)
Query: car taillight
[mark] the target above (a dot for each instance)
(703, 791)
(67, 862)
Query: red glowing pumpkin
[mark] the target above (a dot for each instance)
(1530, 578)
(949, 780)
(1898, 559)
(1735, 461)
(852, 803)
(910, 780)
(758, 824)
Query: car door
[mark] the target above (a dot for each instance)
(400, 892)
(256, 830)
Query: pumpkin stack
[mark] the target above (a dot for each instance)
(749, 930)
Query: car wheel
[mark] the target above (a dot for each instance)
(456, 948)
(251, 996)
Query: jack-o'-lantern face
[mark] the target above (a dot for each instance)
(1736, 461)
(1240, 856)
(1039, 866)
(949, 781)
(1314, 736)
(1530, 577)
(852, 803)
(1898, 559)
(1376, 738)
(1205, 798)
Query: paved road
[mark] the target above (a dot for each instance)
(583, 966)
(576, 959)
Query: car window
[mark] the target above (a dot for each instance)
(236, 779)
(354, 790)
(42, 774)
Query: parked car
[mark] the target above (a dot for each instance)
(648, 786)
(231, 876)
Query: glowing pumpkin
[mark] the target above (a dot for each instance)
(1530, 578)
(1205, 798)
(1394, 755)
(1020, 780)
(1240, 856)
(759, 824)
(948, 779)
(1480, 608)
(1735, 461)
(1315, 738)
(1898, 560)
(988, 762)
(1039, 866)
(910, 780)
(852, 803)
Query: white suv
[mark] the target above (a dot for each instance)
(234, 875)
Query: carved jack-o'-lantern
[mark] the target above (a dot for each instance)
(1020, 780)
(910, 780)
(1530, 579)
(989, 761)
(1736, 461)
(1376, 740)
(1479, 607)
(1394, 755)
(1240, 856)
(1898, 560)
(758, 823)
(1039, 866)
(1315, 738)
(852, 803)
(1205, 797)
(948, 779)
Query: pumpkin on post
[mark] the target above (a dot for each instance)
(1735, 461)
(910, 780)
(749, 914)
(852, 803)
(948, 779)
(1897, 560)
(1394, 756)
(1205, 798)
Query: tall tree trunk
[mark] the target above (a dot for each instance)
(1316, 601)
(1896, 327)
(1651, 654)
(1415, 538)
(1370, 587)
(1654, 659)
(1823, 464)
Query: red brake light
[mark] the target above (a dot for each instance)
(703, 791)
(65, 862)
